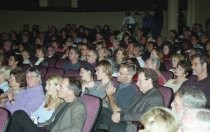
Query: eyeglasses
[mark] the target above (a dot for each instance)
(31, 76)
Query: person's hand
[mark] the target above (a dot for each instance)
(116, 117)
(10, 96)
(110, 89)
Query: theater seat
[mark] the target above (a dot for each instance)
(4, 119)
(93, 106)
(167, 94)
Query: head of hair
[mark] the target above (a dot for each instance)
(42, 48)
(201, 117)
(192, 97)
(106, 67)
(37, 73)
(160, 119)
(202, 57)
(178, 56)
(74, 85)
(5, 71)
(150, 74)
(131, 68)
(19, 75)
(53, 102)
(186, 66)
(17, 58)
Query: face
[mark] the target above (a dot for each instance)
(39, 53)
(149, 64)
(130, 48)
(72, 54)
(197, 67)
(142, 83)
(91, 57)
(11, 61)
(122, 76)
(174, 62)
(179, 71)
(51, 87)
(13, 83)
(154, 54)
(136, 52)
(119, 55)
(177, 106)
(32, 79)
(165, 50)
(50, 51)
(84, 74)
(25, 55)
(63, 91)
(84, 50)
(99, 73)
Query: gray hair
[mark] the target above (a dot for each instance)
(155, 61)
(74, 85)
(202, 116)
(192, 97)
(37, 73)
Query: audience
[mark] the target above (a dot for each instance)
(105, 50)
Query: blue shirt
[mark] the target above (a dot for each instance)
(42, 114)
(124, 95)
(4, 86)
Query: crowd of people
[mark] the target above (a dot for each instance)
(124, 68)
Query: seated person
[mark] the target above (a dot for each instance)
(4, 77)
(72, 63)
(26, 57)
(31, 98)
(16, 84)
(188, 97)
(71, 117)
(181, 72)
(159, 119)
(154, 63)
(41, 56)
(15, 60)
(43, 113)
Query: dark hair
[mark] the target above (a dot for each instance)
(185, 65)
(150, 74)
(74, 85)
(19, 75)
(203, 58)
(18, 58)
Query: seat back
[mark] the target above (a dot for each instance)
(93, 106)
(51, 62)
(167, 94)
(167, 75)
(25, 66)
(59, 63)
(4, 119)
(72, 73)
(43, 71)
(54, 71)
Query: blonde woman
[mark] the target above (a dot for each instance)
(159, 119)
(43, 113)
